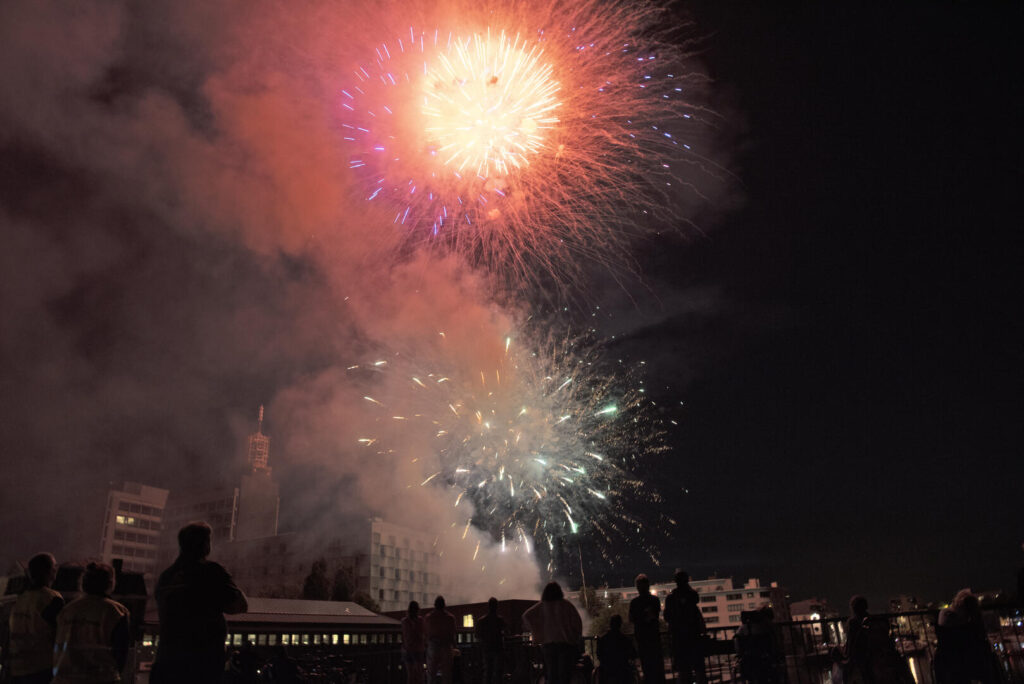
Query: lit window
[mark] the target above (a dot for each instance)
(286, 639)
(346, 639)
(305, 640)
(236, 639)
(467, 620)
(334, 640)
(295, 639)
(316, 639)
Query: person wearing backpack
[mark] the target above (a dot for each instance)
(686, 624)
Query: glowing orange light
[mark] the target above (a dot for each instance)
(488, 104)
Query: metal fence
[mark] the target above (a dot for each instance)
(802, 653)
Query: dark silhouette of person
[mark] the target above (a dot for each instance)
(871, 655)
(754, 648)
(32, 625)
(1020, 585)
(686, 625)
(858, 656)
(440, 633)
(555, 624)
(247, 663)
(643, 613)
(963, 653)
(414, 644)
(192, 596)
(283, 668)
(616, 654)
(490, 632)
(93, 635)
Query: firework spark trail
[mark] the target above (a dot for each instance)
(525, 137)
(541, 447)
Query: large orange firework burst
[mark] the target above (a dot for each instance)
(527, 137)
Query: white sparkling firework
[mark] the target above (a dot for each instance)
(541, 447)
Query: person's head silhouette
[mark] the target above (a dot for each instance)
(194, 540)
(615, 624)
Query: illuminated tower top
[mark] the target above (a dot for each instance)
(259, 447)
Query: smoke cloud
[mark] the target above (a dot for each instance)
(180, 246)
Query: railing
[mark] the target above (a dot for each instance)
(802, 653)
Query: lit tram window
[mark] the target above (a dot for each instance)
(286, 639)
(316, 640)
(334, 640)
(305, 640)
(261, 640)
(346, 639)
(295, 639)
(251, 637)
(236, 639)
(326, 639)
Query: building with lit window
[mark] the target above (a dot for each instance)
(390, 563)
(132, 525)
(720, 602)
(218, 507)
(324, 626)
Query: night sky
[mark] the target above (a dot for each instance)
(836, 339)
(852, 419)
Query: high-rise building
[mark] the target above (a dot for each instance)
(390, 563)
(258, 495)
(217, 506)
(132, 526)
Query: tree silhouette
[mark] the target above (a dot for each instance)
(316, 586)
(344, 587)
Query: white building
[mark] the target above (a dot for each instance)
(720, 602)
(132, 526)
(390, 563)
